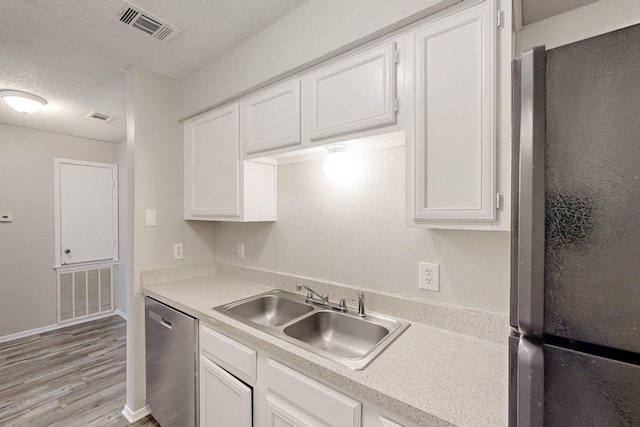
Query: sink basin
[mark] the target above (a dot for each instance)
(333, 332)
(270, 310)
(345, 338)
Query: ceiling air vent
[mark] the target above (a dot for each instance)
(99, 116)
(153, 26)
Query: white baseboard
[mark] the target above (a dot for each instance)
(44, 329)
(133, 416)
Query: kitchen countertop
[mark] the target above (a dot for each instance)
(431, 376)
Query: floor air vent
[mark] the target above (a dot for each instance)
(84, 293)
(153, 26)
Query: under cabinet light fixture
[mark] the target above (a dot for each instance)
(23, 102)
(338, 165)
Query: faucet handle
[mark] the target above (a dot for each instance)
(299, 288)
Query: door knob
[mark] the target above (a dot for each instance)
(67, 251)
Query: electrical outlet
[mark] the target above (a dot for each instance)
(240, 250)
(429, 276)
(178, 252)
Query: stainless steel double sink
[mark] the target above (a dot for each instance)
(345, 338)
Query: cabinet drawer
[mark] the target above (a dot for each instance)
(237, 358)
(321, 401)
(385, 422)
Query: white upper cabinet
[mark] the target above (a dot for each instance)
(354, 94)
(271, 119)
(212, 164)
(219, 185)
(451, 158)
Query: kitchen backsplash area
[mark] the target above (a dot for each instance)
(355, 233)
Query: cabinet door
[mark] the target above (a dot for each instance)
(454, 133)
(272, 119)
(224, 400)
(354, 94)
(384, 422)
(313, 399)
(212, 165)
(279, 414)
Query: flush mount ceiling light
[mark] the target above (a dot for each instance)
(338, 164)
(22, 101)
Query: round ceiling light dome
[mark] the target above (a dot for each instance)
(23, 102)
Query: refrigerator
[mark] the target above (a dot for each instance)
(575, 286)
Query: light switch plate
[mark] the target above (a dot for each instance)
(6, 217)
(150, 218)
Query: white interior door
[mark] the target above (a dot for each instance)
(87, 212)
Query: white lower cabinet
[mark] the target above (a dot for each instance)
(308, 402)
(224, 400)
(227, 375)
(280, 414)
(385, 422)
(242, 387)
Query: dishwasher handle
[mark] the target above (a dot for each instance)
(164, 322)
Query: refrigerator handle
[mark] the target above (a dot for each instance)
(531, 212)
(530, 384)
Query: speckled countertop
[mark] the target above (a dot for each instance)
(432, 376)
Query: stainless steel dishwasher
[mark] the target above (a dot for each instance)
(171, 357)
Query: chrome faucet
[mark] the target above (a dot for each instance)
(361, 312)
(323, 299)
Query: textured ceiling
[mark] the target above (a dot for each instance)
(74, 55)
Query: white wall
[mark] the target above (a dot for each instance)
(123, 229)
(309, 33)
(355, 234)
(597, 18)
(27, 279)
(155, 181)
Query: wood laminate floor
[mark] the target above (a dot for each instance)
(69, 377)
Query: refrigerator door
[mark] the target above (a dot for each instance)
(515, 190)
(586, 390)
(592, 259)
(530, 396)
(529, 287)
(580, 389)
